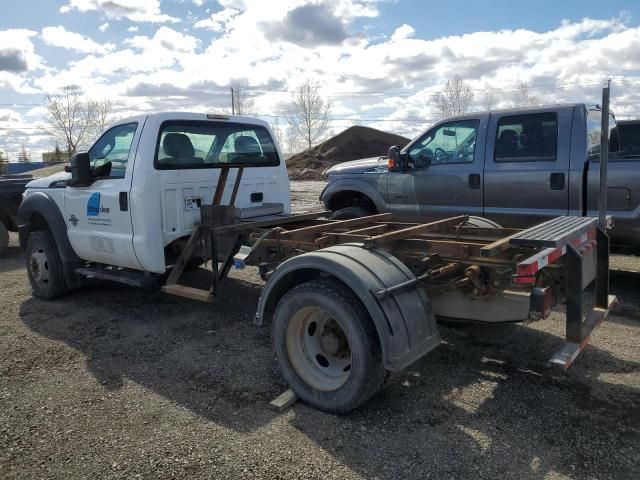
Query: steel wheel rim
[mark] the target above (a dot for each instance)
(318, 349)
(39, 266)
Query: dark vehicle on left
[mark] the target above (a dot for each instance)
(11, 189)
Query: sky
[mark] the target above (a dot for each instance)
(379, 62)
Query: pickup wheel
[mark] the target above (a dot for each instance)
(44, 267)
(348, 213)
(327, 346)
(4, 238)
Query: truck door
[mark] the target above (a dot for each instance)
(445, 173)
(527, 167)
(98, 216)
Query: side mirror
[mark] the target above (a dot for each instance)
(397, 162)
(80, 169)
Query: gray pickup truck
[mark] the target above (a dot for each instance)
(514, 167)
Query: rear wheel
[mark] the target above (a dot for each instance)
(327, 347)
(4, 238)
(44, 267)
(348, 213)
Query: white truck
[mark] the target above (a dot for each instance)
(149, 176)
(350, 301)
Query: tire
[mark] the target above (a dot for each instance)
(481, 222)
(347, 367)
(348, 213)
(44, 267)
(4, 238)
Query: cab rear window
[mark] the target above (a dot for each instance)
(195, 144)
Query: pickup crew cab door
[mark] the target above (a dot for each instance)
(98, 216)
(527, 167)
(445, 173)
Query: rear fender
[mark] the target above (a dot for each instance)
(404, 321)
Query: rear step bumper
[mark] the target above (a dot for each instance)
(564, 357)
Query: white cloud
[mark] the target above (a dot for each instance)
(402, 32)
(132, 28)
(394, 78)
(103, 27)
(165, 38)
(17, 53)
(218, 20)
(63, 38)
(134, 10)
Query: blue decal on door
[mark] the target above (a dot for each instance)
(93, 205)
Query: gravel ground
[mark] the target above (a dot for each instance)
(112, 382)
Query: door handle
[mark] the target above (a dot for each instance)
(556, 181)
(124, 201)
(474, 181)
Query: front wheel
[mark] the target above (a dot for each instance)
(44, 267)
(327, 347)
(347, 213)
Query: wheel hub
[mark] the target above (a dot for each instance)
(39, 266)
(318, 349)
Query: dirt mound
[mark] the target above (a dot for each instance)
(352, 144)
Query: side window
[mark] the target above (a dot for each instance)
(527, 138)
(594, 127)
(110, 154)
(452, 142)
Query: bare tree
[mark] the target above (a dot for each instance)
(242, 104)
(309, 118)
(455, 99)
(100, 111)
(489, 100)
(70, 119)
(523, 96)
(278, 132)
(292, 141)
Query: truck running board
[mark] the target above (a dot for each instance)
(113, 274)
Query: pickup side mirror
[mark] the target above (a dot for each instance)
(80, 169)
(397, 161)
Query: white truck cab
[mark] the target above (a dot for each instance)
(149, 175)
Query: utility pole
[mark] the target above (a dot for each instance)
(233, 102)
(604, 157)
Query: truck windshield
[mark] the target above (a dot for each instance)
(196, 144)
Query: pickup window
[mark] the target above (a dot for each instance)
(594, 127)
(110, 154)
(527, 138)
(452, 142)
(195, 144)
